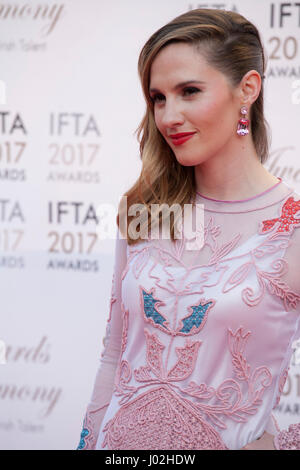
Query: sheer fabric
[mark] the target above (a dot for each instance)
(199, 342)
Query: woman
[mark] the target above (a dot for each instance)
(198, 339)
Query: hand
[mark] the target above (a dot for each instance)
(265, 442)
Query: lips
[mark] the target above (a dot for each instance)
(182, 137)
(181, 134)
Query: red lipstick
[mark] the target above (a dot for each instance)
(182, 137)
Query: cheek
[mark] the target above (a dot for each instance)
(205, 112)
(212, 116)
(157, 120)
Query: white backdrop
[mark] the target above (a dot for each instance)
(73, 102)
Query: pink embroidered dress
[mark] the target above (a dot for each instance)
(199, 342)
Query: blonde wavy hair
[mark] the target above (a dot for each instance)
(232, 45)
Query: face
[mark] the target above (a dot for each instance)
(192, 97)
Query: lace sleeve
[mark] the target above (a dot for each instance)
(104, 381)
(290, 439)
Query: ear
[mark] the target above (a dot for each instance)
(250, 87)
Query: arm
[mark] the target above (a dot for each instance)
(104, 381)
(273, 438)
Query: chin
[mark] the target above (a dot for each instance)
(189, 161)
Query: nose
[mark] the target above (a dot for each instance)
(172, 115)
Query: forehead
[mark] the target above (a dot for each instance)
(179, 60)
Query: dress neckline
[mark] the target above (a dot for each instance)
(243, 200)
(271, 196)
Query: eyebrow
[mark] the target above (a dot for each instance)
(179, 85)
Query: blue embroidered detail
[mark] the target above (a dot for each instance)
(84, 433)
(195, 318)
(149, 308)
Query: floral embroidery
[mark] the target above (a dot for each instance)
(141, 254)
(148, 306)
(186, 361)
(154, 354)
(237, 344)
(191, 324)
(87, 436)
(84, 433)
(229, 393)
(271, 279)
(113, 299)
(238, 276)
(125, 329)
(146, 417)
(279, 238)
(224, 250)
(196, 320)
(287, 221)
(211, 232)
(282, 290)
(124, 374)
(281, 385)
(161, 418)
(106, 339)
(201, 391)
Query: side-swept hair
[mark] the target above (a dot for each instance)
(232, 45)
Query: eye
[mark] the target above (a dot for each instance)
(190, 90)
(157, 97)
(187, 91)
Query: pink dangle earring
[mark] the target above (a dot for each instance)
(243, 123)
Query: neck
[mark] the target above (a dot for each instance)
(233, 175)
